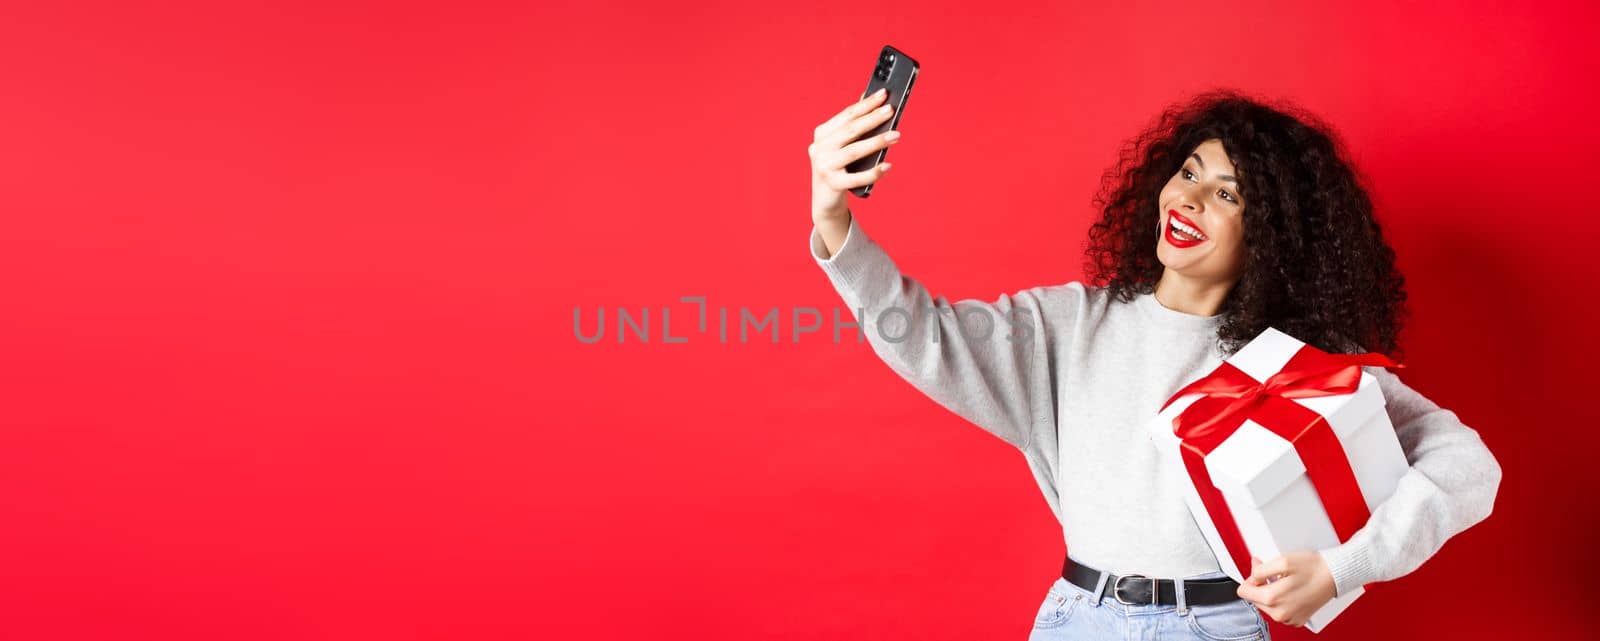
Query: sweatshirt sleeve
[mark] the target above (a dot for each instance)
(1450, 487)
(1001, 380)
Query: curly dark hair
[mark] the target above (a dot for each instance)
(1316, 265)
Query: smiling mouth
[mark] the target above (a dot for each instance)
(1181, 228)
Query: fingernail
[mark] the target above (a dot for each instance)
(883, 167)
(893, 135)
(879, 92)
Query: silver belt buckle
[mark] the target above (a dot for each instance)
(1118, 594)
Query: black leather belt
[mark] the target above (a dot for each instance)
(1133, 589)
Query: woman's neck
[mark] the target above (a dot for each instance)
(1176, 292)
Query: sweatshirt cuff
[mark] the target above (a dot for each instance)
(853, 257)
(1351, 565)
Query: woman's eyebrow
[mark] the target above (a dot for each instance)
(1203, 166)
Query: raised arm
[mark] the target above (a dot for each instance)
(989, 362)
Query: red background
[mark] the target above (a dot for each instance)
(288, 292)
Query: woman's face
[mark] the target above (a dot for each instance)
(1204, 196)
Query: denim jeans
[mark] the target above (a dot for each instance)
(1071, 612)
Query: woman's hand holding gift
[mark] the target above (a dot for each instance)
(1289, 588)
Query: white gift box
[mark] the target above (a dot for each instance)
(1264, 482)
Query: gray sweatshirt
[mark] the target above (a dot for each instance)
(1072, 378)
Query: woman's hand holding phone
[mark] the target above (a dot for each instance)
(835, 146)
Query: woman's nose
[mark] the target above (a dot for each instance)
(1190, 199)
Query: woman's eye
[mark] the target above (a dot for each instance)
(1188, 175)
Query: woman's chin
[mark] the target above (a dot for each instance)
(1174, 259)
(1169, 256)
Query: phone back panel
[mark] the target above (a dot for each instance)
(897, 72)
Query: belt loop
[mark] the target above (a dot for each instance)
(1183, 606)
(1099, 589)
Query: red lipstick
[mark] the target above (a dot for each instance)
(1171, 235)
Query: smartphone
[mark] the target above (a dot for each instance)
(896, 72)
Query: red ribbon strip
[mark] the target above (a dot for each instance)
(1232, 396)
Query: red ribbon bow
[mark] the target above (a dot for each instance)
(1232, 396)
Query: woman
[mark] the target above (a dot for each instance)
(1225, 217)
